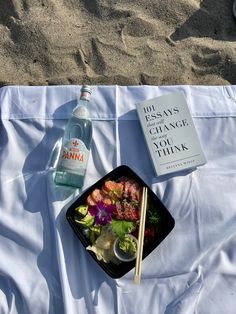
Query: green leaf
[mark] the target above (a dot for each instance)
(122, 227)
(153, 217)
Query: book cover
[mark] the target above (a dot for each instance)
(170, 133)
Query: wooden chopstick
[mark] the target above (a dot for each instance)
(138, 265)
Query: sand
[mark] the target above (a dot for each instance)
(156, 42)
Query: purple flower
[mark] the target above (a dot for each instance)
(102, 213)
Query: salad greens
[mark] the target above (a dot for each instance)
(128, 245)
(122, 227)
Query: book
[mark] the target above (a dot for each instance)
(170, 133)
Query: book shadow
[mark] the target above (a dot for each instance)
(170, 176)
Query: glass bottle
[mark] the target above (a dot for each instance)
(76, 144)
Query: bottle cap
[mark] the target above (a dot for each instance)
(85, 92)
(86, 88)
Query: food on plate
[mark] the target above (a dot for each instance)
(113, 212)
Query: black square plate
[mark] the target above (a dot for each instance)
(164, 226)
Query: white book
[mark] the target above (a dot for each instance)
(170, 133)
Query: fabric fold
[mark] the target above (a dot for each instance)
(45, 269)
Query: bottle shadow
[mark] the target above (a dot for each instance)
(41, 192)
(37, 172)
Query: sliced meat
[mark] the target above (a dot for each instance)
(91, 201)
(126, 211)
(114, 189)
(97, 195)
(135, 192)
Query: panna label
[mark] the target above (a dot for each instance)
(74, 155)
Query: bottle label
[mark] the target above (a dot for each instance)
(74, 155)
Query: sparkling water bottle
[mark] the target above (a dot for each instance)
(76, 144)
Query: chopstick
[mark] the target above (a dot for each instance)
(138, 265)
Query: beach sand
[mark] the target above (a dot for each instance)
(156, 42)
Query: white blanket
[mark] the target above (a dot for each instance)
(43, 266)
